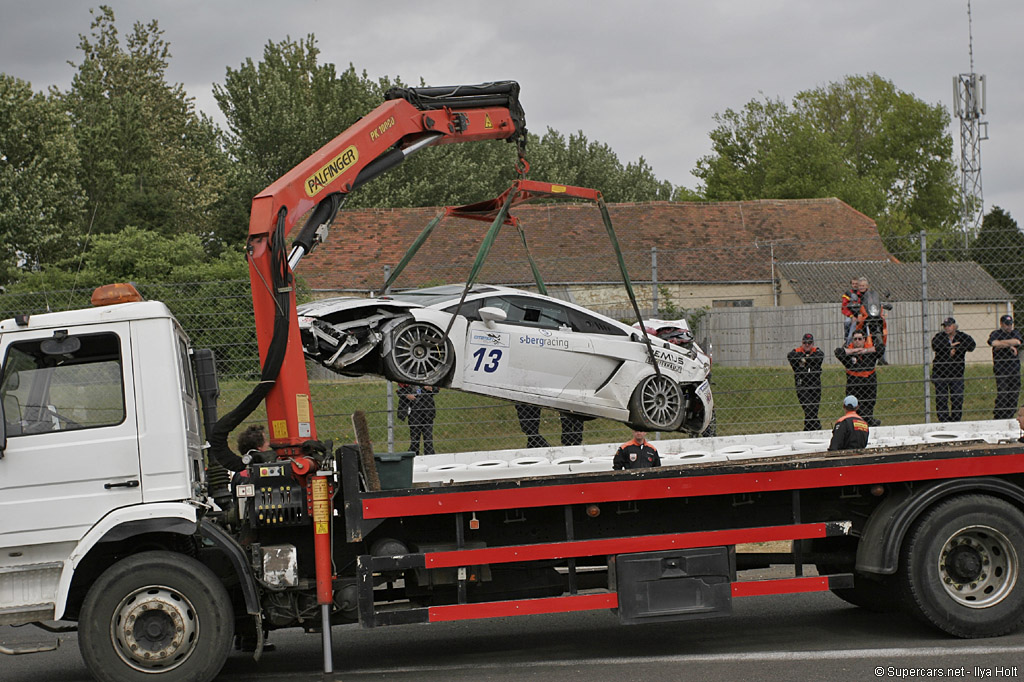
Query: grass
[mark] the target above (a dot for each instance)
(747, 400)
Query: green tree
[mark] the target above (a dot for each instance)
(578, 161)
(40, 199)
(881, 150)
(141, 256)
(152, 162)
(283, 108)
(999, 249)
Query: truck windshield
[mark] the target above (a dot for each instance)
(43, 393)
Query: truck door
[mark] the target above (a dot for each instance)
(72, 450)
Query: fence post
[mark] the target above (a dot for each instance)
(924, 328)
(654, 280)
(389, 387)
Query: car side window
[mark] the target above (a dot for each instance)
(589, 324)
(530, 312)
(80, 389)
(470, 309)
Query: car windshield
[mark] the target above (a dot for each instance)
(433, 295)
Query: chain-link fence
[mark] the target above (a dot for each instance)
(750, 305)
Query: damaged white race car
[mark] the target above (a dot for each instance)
(515, 345)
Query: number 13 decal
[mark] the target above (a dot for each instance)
(494, 356)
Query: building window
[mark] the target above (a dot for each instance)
(733, 303)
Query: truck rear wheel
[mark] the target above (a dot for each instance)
(960, 567)
(156, 615)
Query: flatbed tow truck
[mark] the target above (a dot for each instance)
(110, 518)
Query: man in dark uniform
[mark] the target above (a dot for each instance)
(529, 422)
(1005, 343)
(851, 431)
(859, 359)
(636, 454)
(950, 347)
(572, 428)
(422, 411)
(806, 361)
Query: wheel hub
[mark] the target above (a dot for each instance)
(420, 353)
(964, 564)
(978, 566)
(660, 401)
(154, 629)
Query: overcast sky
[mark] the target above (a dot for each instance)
(644, 76)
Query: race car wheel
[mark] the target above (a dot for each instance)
(419, 354)
(657, 404)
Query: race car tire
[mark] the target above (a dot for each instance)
(656, 404)
(419, 354)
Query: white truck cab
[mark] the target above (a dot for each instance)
(101, 437)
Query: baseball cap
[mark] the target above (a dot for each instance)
(948, 321)
(1006, 319)
(850, 401)
(808, 337)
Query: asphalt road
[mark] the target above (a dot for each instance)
(793, 637)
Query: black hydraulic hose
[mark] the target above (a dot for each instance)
(280, 286)
(323, 214)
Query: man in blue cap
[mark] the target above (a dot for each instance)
(1006, 342)
(851, 431)
(951, 347)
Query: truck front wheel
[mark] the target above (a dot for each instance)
(156, 615)
(960, 566)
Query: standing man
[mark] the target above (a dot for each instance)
(850, 311)
(572, 428)
(950, 347)
(850, 431)
(859, 358)
(421, 418)
(806, 361)
(636, 454)
(529, 423)
(1005, 343)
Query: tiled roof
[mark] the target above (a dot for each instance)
(697, 242)
(947, 281)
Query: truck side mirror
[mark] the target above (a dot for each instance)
(3, 429)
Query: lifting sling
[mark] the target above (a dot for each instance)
(497, 212)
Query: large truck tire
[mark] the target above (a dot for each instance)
(960, 566)
(156, 616)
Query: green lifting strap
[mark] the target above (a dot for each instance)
(481, 255)
(533, 266)
(629, 285)
(412, 251)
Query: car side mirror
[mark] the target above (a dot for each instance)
(490, 315)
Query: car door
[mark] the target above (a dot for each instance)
(534, 351)
(72, 451)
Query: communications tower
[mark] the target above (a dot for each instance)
(969, 106)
